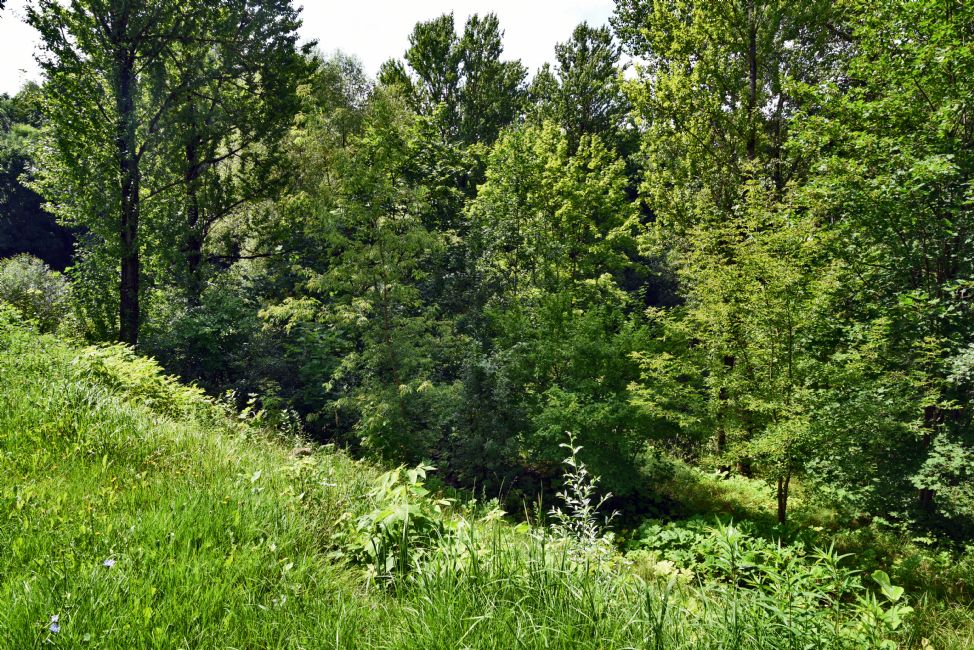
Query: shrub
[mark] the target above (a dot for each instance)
(41, 295)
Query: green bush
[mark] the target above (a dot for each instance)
(41, 295)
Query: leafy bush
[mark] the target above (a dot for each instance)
(43, 296)
(806, 594)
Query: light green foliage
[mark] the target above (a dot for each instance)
(41, 295)
(736, 261)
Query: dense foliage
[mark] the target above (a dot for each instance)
(712, 239)
(165, 521)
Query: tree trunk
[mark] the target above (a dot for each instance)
(752, 58)
(128, 165)
(193, 246)
(932, 417)
(723, 398)
(783, 482)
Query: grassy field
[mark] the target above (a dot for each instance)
(136, 513)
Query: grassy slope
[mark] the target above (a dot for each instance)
(206, 551)
(219, 537)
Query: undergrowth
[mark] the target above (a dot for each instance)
(136, 512)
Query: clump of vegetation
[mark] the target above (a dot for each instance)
(41, 295)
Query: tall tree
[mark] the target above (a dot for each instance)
(463, 75)
(583, 91)
(225, 139)
(118, 75)
(715, 96)
(894, 182)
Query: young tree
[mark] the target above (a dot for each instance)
(379, 352)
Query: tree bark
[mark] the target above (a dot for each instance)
(932, 417)
(783, 482)
(128, 165)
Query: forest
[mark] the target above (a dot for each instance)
(683, 318)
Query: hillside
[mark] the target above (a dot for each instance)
(137, 513)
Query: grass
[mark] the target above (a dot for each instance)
(141, 515)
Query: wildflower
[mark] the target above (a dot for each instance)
(54, 627)
(109, 563)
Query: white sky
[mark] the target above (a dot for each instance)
(374, 30)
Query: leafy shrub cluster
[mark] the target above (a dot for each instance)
(41, 295)
(404, 527)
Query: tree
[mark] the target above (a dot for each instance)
(583, 92)
(894, 182)
(363, 330)
(119, 72)
(479, 93)
(715, 99)
(225, 140)
(551, 232)
(715, 96)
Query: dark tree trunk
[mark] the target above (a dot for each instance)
(744, 468)
(128, 164)
(193, 246)
(752, 58)
(783, 482)
(932, 417)
(724, 398)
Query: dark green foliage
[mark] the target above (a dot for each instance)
(464, 74)
(583, 92)
(25, 226)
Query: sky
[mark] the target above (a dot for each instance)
(373, 30)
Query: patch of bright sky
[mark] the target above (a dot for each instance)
(373, 30)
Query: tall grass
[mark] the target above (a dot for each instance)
(135, 513)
